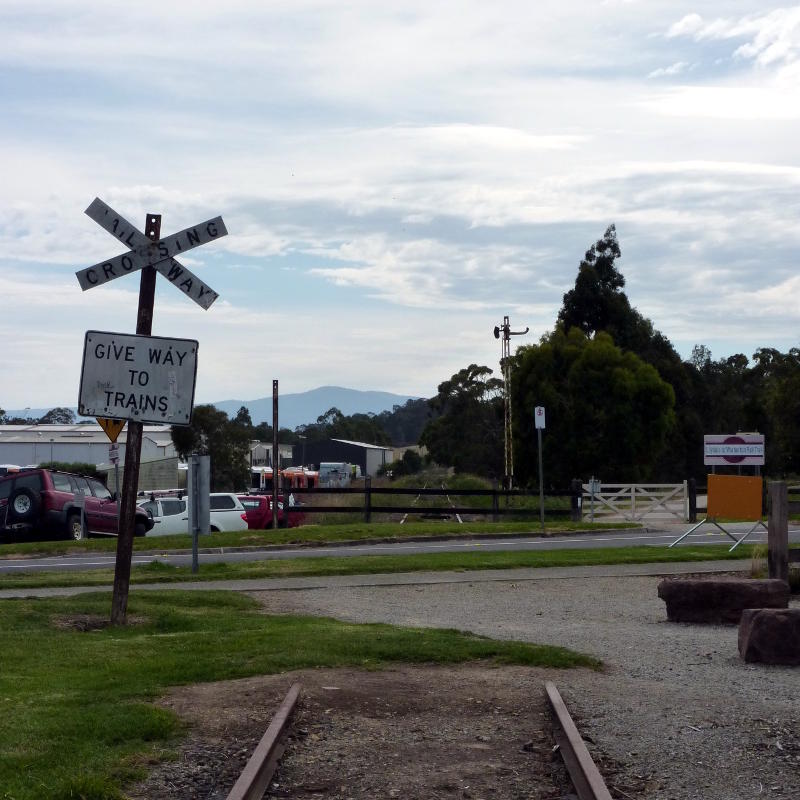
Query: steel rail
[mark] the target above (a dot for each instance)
(258, 771)
(413, 503)
(452, 506)
(586, 778)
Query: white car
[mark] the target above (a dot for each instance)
(171, 515)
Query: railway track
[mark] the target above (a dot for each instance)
(584, 775)
(447, 498)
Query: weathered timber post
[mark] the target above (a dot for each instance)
(692, 493)
(576, 487)
(98, 396)
(495, 504)
(367, 499)
(133, 447)
(778, 531)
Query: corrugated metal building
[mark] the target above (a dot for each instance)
(370, 457)
(37, 444)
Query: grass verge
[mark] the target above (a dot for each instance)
(306, 534)
(76, 712)
(161, 572)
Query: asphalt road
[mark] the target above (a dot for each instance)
(639, 537)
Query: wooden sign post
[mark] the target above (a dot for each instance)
(150, 254)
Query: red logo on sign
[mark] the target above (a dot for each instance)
(734, 440)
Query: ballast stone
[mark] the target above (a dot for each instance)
(770, 635)
(720, 600)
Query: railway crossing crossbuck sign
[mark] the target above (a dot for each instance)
(145, 252)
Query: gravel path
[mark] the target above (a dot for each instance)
(675, 707)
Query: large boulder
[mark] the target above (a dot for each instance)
(719, 600)
(770, 635)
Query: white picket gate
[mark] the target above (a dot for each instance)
(635, 501)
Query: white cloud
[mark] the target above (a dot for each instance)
(394, 177)
(673, 69)
(728, 102)
(686, 26)
(773, 37)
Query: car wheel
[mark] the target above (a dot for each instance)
(139, 529)
(77, 530)
(23, 504)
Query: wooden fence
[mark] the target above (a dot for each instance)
(779, 556)
(496, 503)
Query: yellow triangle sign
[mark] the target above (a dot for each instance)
(112, 427)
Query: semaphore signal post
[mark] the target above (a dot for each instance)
(121, 377)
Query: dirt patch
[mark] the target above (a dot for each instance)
(88, 622)
(474, 731)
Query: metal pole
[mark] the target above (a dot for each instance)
(276, 459)
(116, 489)
(194, 499)
(541, 478)
(133, 448)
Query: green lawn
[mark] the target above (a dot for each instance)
(76, 714)
(360, 565)
(306, 534)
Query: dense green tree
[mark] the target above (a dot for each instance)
(243, 417)
(608, 412)
(58, 416)
(467, 432)
(404, 423)
(409, 464)
(20, 421)
(355, 428)
(227, 442)
(777, 411)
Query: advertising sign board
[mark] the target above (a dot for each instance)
(740, 449)
(141, 378)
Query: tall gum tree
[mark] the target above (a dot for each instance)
(608, 412)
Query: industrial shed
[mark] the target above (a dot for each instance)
(370, 457)
(37, 444)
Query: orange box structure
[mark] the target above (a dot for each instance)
(734, 497)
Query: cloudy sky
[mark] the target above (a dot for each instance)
(395, 178)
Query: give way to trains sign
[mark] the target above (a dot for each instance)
(140, 378)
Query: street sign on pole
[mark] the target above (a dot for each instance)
(149, 253)
(113, 453)
(741, 449)
(146, 252)
(140, 378)
(112, 427)
(538, 416)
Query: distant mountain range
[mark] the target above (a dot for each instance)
(300, 408)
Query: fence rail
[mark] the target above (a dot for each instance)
(495, 508)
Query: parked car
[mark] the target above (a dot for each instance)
(259, 512)
(171, 514)
(51, 501)
(6, 468)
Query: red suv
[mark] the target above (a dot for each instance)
(50, 501)
(259, 512)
